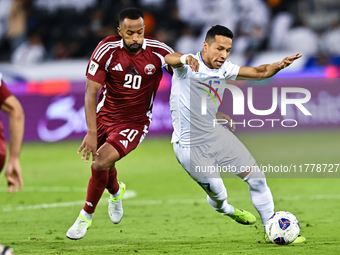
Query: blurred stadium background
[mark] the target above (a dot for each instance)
(45, 46)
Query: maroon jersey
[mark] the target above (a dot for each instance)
(4, 93)
(130, 82)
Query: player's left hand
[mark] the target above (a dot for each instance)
(231, 124)
(288, 60)
(13, 175)
(193, 63)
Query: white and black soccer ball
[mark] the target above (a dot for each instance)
(5, 250)
(282, 228)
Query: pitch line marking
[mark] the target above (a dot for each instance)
(131, 194)
(49, 189)
(8, 208)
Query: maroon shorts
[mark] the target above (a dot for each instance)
(123, 137)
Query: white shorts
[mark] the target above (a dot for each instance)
(214, 159)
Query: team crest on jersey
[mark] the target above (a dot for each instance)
(149, 69)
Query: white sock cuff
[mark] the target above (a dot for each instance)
(117, 194)
(86, 214)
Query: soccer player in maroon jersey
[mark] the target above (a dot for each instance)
(11, 106)
(128, 70)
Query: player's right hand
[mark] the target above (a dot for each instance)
(193, 63)
(89, 145)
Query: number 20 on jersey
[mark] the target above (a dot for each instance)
(132, 81)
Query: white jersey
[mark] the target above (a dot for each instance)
(195, 99)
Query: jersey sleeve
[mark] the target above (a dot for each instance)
(167, 67)
(183, 72)
(231, 71)
(4, 91)
(99, 61)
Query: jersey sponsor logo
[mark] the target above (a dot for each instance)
(149, 69)
(118, 67)
(93, 68)
(124, 142)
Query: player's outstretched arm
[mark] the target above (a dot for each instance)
(178, 59)
(89, 144)
(265, 71)
(13, 108)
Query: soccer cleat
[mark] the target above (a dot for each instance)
(242, 216)
(115, 205)
(78, 229)
(299, 239)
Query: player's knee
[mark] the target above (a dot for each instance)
(257, 184)
(260, 193)
(256, 181)
(101, 164)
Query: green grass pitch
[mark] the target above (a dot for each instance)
(169, 213)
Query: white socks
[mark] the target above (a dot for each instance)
(216, 194)
(260, 195)
(117, 194)
(86, 215)
(259, 192)
(221, 207)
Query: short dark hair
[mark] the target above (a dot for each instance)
(218, 30)
(130, 13)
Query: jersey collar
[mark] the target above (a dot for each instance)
(200, 57)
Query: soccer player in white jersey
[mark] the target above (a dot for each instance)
(198, 144)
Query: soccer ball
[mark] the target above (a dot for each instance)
(5, 250)
(282, 228)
